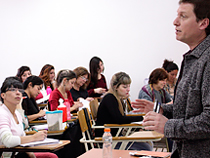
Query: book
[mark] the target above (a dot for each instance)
(85, 104)
(151, 154)
(138, 122)
(40, 127)
(46, 141)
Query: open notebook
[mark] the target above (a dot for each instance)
(46, 141)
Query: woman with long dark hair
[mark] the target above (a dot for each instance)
(97, 85)
(23, 73)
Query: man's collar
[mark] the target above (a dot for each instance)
(199, 49)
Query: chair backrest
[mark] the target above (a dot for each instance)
(94, 108)
(85, 121)
(129, 104)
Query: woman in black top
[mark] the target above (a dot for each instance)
(32, 87)
(111, 109)
(79, 88)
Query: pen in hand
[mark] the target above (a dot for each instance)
(35, 130)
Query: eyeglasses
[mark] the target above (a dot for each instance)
(15, 90)
(82, 77)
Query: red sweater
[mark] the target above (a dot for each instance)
(100, 84)
(55, 96)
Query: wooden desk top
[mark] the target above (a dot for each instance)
(146, 135)
(37, 122)
(48, 132)
(45, 121)
(44, 148)
(142, 135)
(42, 105)
(96, 153)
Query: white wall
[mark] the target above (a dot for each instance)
(133, 36)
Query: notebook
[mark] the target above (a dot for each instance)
(46, 141)
(151, 154)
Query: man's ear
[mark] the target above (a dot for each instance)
(204, 23)
(3, 95)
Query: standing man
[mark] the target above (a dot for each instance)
(187, 121)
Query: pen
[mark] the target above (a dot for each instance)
(35, 130)
(24, 97)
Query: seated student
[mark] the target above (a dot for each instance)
(47, 74)
(32, 87)
(64, 81)
(11, 128)
(79, 87)
(172, 70)
(97, 85)
(154, 90)
(111, 111)
(23, 73)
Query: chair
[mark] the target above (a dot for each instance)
(88, 138)
(161, 145)
(94, 104)
(86, 128)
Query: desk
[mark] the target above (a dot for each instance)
(96, 153)
(141, 136)
(49, 133)
(45, 148)
(37, 122)
(45, 121)
(42, 105)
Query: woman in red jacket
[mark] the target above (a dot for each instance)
(64, 82)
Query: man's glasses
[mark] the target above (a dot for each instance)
(82, 77)
(15, 90)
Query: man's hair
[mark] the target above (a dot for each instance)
(201, 10)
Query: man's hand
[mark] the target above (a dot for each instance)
(155, 122)
(142, 105)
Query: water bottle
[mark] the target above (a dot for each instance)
(67, 104)
(49, 90)
(63, 108)
(107, 143)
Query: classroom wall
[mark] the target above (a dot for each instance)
(133, 36)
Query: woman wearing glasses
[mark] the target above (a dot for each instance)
(11, 128)
(79, 87)
(64, 81)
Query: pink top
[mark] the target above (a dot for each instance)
(10, 131)
(55, 96)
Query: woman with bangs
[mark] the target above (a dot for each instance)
(79, 87)
(11, 127)
(111, 110)
(155, 89)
